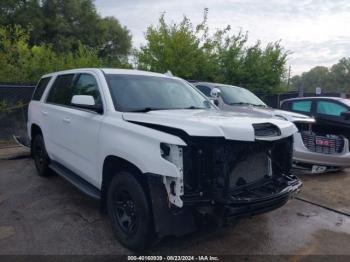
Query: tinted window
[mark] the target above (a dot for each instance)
(330, 108)
(302, 106)
(61, 90)
(139, 93)
(205, 90)
(40, 88)
(233, 95)
(286, 105)
(87, 85)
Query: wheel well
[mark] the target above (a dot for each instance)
(34, 131)
(112, 165)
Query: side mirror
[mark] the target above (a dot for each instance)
(345, 115)
(215, 93)
(86, 102)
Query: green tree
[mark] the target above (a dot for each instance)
(256, 68)
(114, 42)
(20, 62)
(191, 52)
(173, 47)
(333, 79)
(65, 25)
(318, 76)
(340, 75)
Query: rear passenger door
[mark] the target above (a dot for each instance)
(54, 114)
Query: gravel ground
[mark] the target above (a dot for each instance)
(48, 216)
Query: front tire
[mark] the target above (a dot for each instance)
(130, 211)
(41, 158)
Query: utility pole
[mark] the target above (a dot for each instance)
(288, 81)
(301, 90)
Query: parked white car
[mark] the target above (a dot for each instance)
(155, 151)
(333, 153)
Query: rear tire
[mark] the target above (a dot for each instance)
(130, 212)
(41, 158)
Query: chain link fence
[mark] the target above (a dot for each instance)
(14, 100)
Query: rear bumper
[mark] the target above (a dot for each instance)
(303, 155)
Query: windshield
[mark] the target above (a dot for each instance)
(139, 93)
(233, 95)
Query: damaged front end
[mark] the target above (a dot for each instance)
(238, 178)
(224, 179)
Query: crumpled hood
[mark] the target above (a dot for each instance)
(271, 113)
(211, 123)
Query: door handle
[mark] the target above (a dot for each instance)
(66, 120)
(44, 112)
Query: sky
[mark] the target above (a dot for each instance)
(316, 32)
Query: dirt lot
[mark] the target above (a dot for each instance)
(49, 216)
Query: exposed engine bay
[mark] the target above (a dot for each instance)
(223, 171)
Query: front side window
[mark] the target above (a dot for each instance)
(330, 108)
(205, 90)
(302, 106)
(40, 88)
(61, 90)
(142, 93)
(87, 85)
(233, 95)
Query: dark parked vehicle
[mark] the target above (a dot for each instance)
(330, 133)
(332, 114)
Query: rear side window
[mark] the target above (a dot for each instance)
(330, 108)
(40, 88)
(302, 106)
(205, 90)
(61, 90)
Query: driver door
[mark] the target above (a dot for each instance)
(329, 119)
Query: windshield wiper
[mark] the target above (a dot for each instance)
(146, 109)
(240, 104)
(261, 105)
(247, 104)
(194, 107)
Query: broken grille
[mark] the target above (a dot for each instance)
(330, 144)
(217, 166)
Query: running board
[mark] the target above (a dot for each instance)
(76, 180)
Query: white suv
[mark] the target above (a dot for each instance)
(156, 152)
